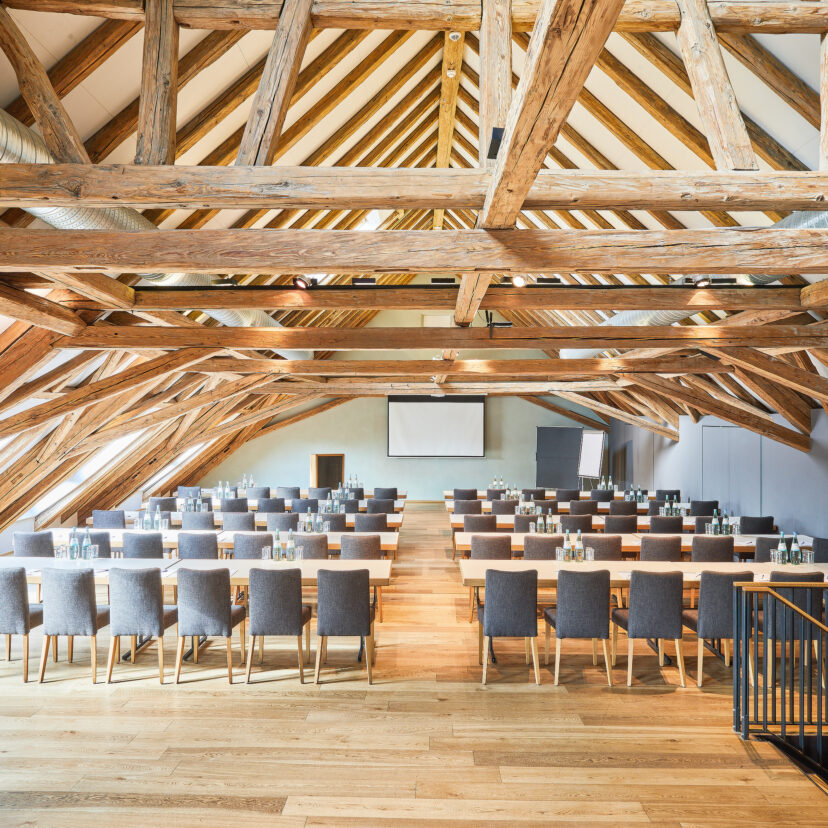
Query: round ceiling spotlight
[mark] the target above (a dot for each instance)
(302, 282)
(451, 73)
(519, 281)
(454, 36)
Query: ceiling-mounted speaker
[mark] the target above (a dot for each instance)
(494, 144)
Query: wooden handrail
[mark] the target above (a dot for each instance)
(752, 586)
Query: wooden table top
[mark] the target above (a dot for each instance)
(508, 521)
(130, 515)
(551, 494)
(253, 505)
(402, 494)
(563, 508)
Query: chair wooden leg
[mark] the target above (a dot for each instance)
(93, 644)
(614, 643)
(629, 661)
(195, 649)
(133, 648)
(479, 643)
(8, 646)
(26, 657)
(179, 657)
(594, 652)
(70, 648)
(161, 658)
(261, 647)
(700, 663)
(526, 649)
(307, 643)
(110, 659)
(54, 647)
(250, 651)
(44, 652)
(534, 645)
(471, 604)
(229, 641)
(369, 657)
(319, 644)
(301, 659)
(241, 641)
(660, 652)
(557, 658)
(324, 649)
(726, 651)
(486, 656)
(607, 661)
(379, 604)
(548, 636)
(680, 662)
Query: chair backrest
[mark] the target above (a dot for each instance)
(602, 495)
(385, 493)
(275, 601)
(582, 604)
(233, 504)
(522, 522)
(319, 492)
(282, 521)
(336, 522)
(238, 522)
(249, 545)
(465, 494)
(820, 547)
(662, 524)
(547, 507)
(468, 507)
(504, 507)
(495, 494)
(302, 504)
(700, 524)
(491, 547)
(379, 507)
(534, 494)
(183, 492)
(197, 520)
(257, 492)
(343, 602)
(136, 601)
(712, 549)
(33, 545)
(703, 507)
(607, 547)
(621, 524)
(204, 602)
(313, 545)
(14, 601)
(654, 506)
(661, 548)
(371, 523)
(198, 545)
(788, 623)
(623, 507)
(541, 547)
(360, 547)
(565, 495)
(69, 601)
(757, 525)
(351, 506)
(108, 519)
(270, 504)
(511, 604)
(655, 604)
(102, 540)
(288, 492)
(143, 545)
(163, 504)
(575, 523)
(764, 547)
(715, 618)
(479, 523)
(583, 507)
(663, 494)
(356, 493)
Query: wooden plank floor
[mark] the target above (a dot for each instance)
(426, 745)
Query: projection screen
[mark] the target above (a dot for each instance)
(436, 427)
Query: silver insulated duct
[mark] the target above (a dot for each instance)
(804, 220)
(21, 145)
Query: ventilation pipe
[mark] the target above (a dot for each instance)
(21, 145)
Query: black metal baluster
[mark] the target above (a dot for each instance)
(783, 673)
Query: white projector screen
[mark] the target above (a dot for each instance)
(592, 453)
(428, 427)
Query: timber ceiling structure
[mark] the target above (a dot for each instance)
(609, 177)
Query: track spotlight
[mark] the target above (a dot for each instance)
(703, 281)
(302, 282)
(519, 281)
(454, 36)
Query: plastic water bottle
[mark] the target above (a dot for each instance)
(579, 547)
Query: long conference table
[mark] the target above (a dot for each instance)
(563, 507)
(551, 494)
(507, 522)
(130, 515)
(402, 494)
(253, 504)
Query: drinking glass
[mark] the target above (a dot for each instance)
(589, 553)
(136, 524)
(267, 553)
(807, 556)
(326, 526)
(92, 551)
(774, 556)
(291, 554)
(342, 509)
(165, 524)
(559, 554)
(533, 527)
(300, 552)
(61, 551)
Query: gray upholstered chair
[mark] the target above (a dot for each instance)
(17, 615)
(464, 494)
(233, 504)
(654, 506)
(344, 609)
(607, 547)
(33, 545)
(510, 611)
(163, 504)
(257, 492)
(191, 521)
(583, 507)
(69, 609)
(198, 545)
(581, 611)
(385, 493)
(621, 524)
(576, 523)
(547, 507)
(108, 519)
(714, 616)
(541, 547)
(666, 525)
(491, 547)
(360, 547)
(504, 507)
(379, 507)
(780, 621)
(712, 549)
(623, 507)
(654, 612)
(820, 547)
(288, 492)
(319, 492)
(249, 545)
(672, 494)
(351, 506)
(703, 507)
(565, 495)
(534, 494)
(700, 523)
(183, 492)
(282, 521)
(757, 525)
(238, 522)
(356, 493)
(143, 545)
(275, 608)
(300, 505)
(523, 522)
(270, 504)
(204, 609)
(336, 522)
(495, 494)
(136, 609)
(313, 545)
(661, 548)
(479, 523)
(764, 547)
(103, 541)
(371, 523)
(602, 495)
(468, 507)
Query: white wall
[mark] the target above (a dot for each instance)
(358, 430)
